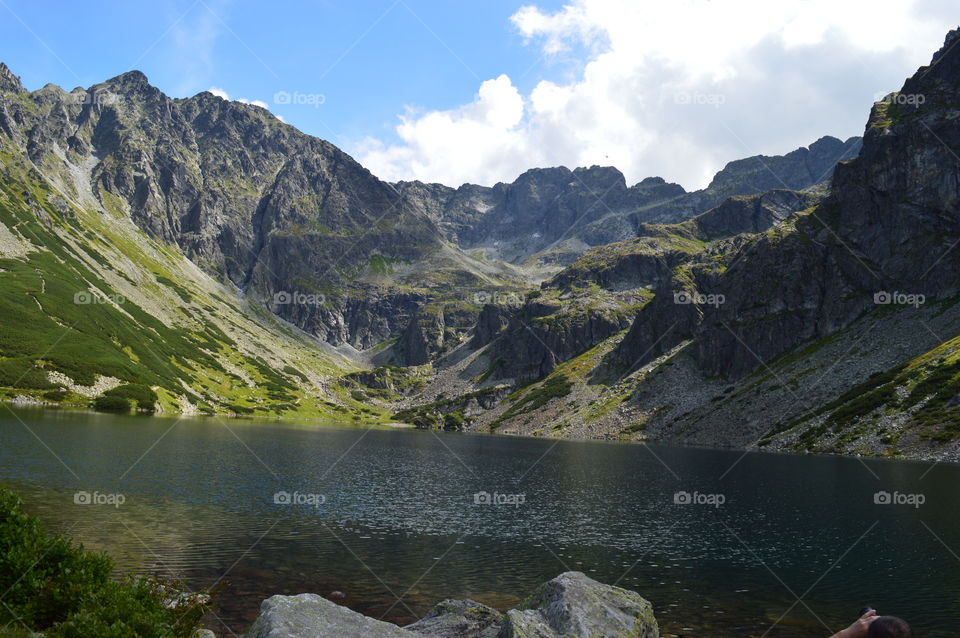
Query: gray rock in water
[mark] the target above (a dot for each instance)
(459, 619)
(309, 615)
(569, 606)
(573, 605)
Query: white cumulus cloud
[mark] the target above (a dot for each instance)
(218, 92)
(675, 88)
(215, 90)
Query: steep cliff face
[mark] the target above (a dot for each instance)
(555, 213)
(551, 327)
(887, 226)
(287, 218)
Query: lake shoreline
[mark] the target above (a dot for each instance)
(950, 457)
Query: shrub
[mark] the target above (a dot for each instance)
(105, 403)
(454, 420)
(22, 373)
(54, 586)
(144, 395)
(55, 395)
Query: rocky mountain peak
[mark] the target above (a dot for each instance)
(952, 38)
(9, 83)
(131, 83)
(652, 181)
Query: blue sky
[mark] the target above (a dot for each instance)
(369, 59)
(481, 90)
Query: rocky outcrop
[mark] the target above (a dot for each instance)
(796, 170)
(493, 319)
(432, 330)
(571, 605)
(314, 616)
(744, 215)
(9, 83)
(574, 605)
(423, 338)
(552, 327)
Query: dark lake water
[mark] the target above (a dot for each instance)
(399, 519)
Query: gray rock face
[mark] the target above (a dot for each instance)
(459, 618)
(571, 605)
(311, 616)
(9, 83)
(544, 333)
(748, 214)
(423, 337)
(493, 319)
(796, 170)
(887, 225)
(574, 605)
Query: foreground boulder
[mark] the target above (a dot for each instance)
(311, 616)
(571, 605)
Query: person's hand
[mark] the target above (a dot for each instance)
(859, 628)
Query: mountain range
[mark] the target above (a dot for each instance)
(200, 256)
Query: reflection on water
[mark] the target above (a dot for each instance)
(399, 520)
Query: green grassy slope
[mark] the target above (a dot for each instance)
(88, 302)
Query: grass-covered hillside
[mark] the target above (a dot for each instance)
(93, 308)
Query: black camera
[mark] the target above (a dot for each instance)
(865, 610)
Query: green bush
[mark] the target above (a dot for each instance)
(54, 586)
(55, 395)
(21, 373)
(454, 420)
(236, 408)
(557, 385)
(105, 403)
(144, 395)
